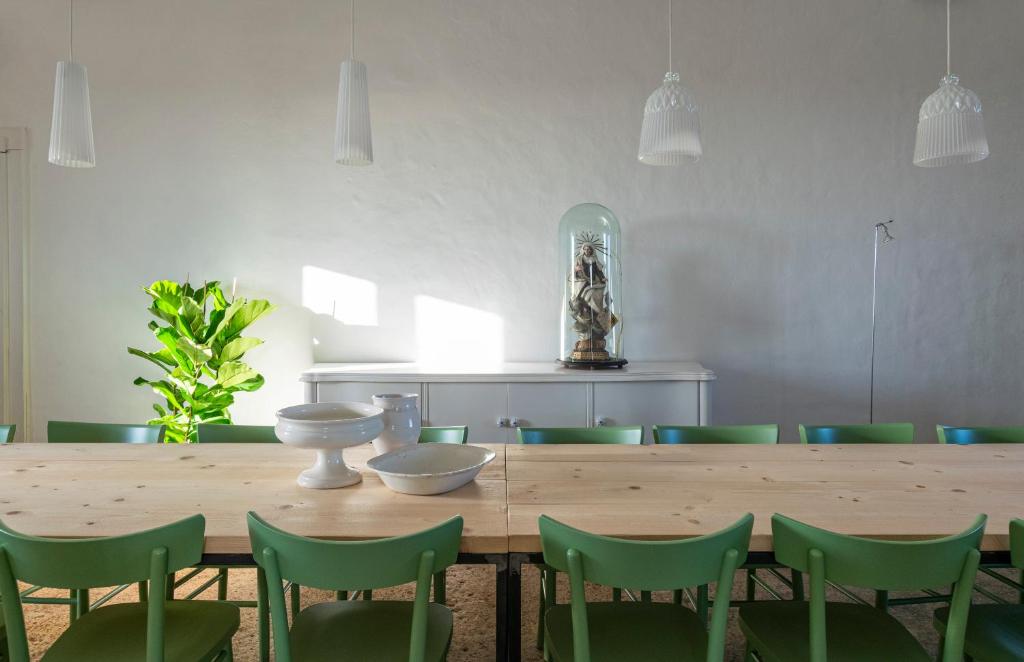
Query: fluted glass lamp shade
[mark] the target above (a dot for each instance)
(670, 134)
(352, 142)
(950, 128)
(71, 142)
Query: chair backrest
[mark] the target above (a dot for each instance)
(629, 434)
(352, 565)
(74, 432)
(209, 433)
(988, 435)
(648, 566)
(716, 434)
(454, 434)
(94, 562)
(7, 433)
(877, 433)
(881, 564)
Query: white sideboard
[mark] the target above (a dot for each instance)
(495, 401)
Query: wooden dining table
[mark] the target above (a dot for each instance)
(896, 492)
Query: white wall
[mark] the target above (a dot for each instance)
(214, 126)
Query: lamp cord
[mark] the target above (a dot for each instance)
(948, 69)
(71, 39)
(670, 36)
(353, 30)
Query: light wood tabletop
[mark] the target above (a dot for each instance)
(909, 491)
(78, 490)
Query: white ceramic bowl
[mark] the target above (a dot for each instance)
(329, 428)
(430, 468)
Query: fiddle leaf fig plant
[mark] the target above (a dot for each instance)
(200, 331)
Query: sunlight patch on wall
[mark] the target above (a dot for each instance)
(348, 299)
(452, 335)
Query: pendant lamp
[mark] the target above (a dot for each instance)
(71, 143)
(670, 134)
(352, 142)
(950, 128)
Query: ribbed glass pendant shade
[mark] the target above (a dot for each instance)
(71, 143)
(950, 128)
(670, 134)
(352, 142)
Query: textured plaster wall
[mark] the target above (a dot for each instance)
(214, 124)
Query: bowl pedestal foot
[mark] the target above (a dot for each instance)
(328, 472)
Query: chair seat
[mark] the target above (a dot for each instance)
(649, 631)
(376, 630)
(994, 632)
(780, 632)
(194, 631)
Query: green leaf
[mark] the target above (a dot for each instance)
(246, 312)
(237, 347)
(198, 354)
(159, 359)
(233, 373)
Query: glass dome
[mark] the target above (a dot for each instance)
(589, 246)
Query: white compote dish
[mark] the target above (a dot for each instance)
(329, 428)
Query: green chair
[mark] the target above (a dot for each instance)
(818, 631)
(209, 433)
(1004, 435)
(456, 434)
(631, 434)
(73, 432)
(417, 631)
(877, 433)
(581, 632)
(155, 631)
(995, 632)
(716, 434)
(732, 434)
(7, 433)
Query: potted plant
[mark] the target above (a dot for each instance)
(200, 331)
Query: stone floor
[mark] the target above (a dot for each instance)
(471, 596)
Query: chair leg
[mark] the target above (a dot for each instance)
(170, 586)
(797, 578)
(645, 596)
(751, 584)
(262, 615)
(73, 607)
(341, 596)
(882, 600)
(367, 594)
(143, 592)
(703, 603)
(540, 611)
(229, 653)
(616, 595)
(83, 602)
(222, 584)
(295, 600)
(440, 590)
(677, 596)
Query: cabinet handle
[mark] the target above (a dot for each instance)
(602, 422)
(503, 423)
(515, 423)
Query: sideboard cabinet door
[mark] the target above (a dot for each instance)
(479, 405)
(361, 391)
(647, 404)
(548, 404)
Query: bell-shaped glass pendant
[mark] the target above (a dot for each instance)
(950, 127)
(670, 134)
(589, 246)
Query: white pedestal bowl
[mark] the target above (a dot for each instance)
(329, 428)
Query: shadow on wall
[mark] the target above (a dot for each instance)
(354, 321)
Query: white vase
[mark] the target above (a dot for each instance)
(401, 421)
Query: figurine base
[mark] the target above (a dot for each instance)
(593, 365)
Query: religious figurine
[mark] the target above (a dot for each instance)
(591, 335)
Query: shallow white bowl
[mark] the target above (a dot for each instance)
(329, 428)
(430, 468)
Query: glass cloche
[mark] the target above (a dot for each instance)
(589, 246)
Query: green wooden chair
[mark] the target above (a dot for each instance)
(732, 434)
(155, 631)
(995, 632)
(417, 631)
(455, 434)
(877, 433)
(1005, 435)
(7, 433)
(633, 435)
(74, 432)
(581, 632)
(716, 434)
(818, 631)
(208, 433)
(630, 434)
